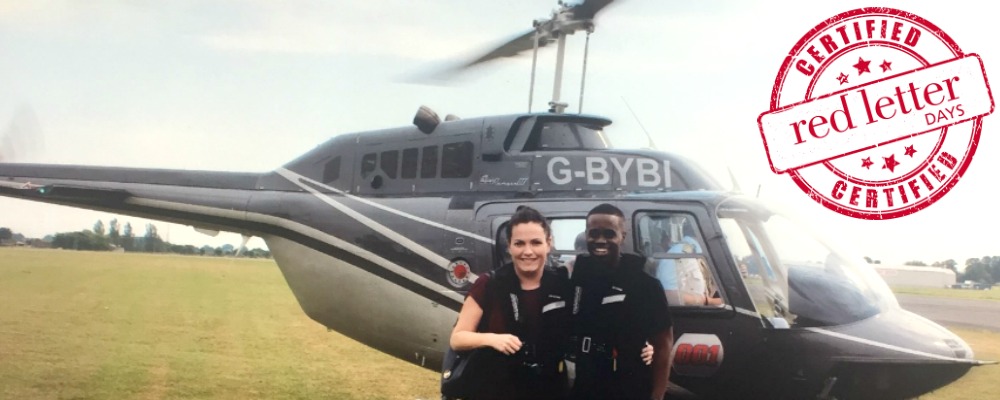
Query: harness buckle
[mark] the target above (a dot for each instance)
(585, 344)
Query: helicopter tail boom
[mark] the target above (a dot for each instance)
(204, 199)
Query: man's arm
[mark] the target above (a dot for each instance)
(663, 343)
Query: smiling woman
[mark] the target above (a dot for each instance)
(515, 319)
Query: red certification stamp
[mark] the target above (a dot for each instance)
(876, 113)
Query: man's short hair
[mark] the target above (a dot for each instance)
(606, 209)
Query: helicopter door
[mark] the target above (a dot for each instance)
(715, 337)
(765, 283)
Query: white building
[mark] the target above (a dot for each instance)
(912, 276)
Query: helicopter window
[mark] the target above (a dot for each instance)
(429, 162)
(409, 170)
(502, 254)
(751, 263)
(561, 135)
(368, 163)
(568, 238)
(390, 163)
(795, 279)
(678, 259)
(825, 286)
(331, 171)
(456, 160)
(516, 126)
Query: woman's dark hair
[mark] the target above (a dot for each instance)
(524, 215)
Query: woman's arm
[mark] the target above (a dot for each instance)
(465, 337)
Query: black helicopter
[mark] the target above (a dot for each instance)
(763, 308)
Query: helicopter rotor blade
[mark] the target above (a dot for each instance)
(511, 48)
(589, 8)
(566, 20)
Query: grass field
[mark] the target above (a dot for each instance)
(981, 382)
(81, 325)
(955, 293)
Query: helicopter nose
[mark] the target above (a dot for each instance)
(901, 355)
(907, 335)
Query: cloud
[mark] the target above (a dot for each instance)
(392, 28)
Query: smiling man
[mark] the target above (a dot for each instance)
(617, 308)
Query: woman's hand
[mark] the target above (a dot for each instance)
(509, 344)
(647, 354)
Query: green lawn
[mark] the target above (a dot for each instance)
(84, 325)
(981, 382)
(993, 294)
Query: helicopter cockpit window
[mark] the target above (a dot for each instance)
(331, 170)
(678, 259)
(797, 279)
(762, 283)
(456, 160)
(562, 135)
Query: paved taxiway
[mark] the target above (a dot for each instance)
(965, 313)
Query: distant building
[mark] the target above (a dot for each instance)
(913, 276)
(39, 243)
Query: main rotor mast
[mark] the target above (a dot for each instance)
(565, 21)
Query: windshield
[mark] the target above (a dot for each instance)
(559, 135)
(797, 279)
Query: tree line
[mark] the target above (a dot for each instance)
(116, 236)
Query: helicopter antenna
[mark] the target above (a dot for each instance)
(736, 184)
(583, 77)
(649, 138)
(534, 62)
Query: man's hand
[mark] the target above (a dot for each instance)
(663, 342)
(647, 354)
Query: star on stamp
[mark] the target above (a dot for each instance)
(876, 113)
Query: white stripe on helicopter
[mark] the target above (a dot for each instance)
(306, 231)
(889, 346)
(286, 173)
(377, 227)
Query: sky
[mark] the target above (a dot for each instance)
(250, 85)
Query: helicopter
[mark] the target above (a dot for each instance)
(415, 213)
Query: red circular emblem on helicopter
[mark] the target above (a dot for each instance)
(458, 273)
(876, 113)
